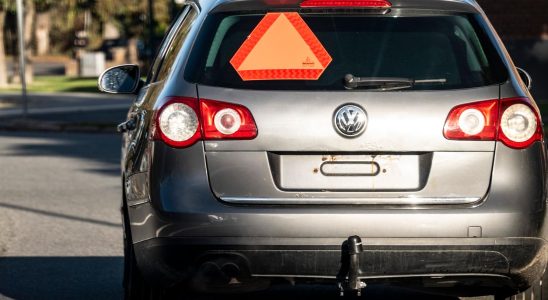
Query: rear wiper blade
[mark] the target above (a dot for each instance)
(431, 81)
(386, 83)
(382, 83)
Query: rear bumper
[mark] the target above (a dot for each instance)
(512, 264)
(177, 223)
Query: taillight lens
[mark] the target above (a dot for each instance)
(227, 121)
(181, 121)
(520, 124)
(177, 122)
(473, 121)
(347, 3)
(513, 121)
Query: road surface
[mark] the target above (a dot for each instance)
(55, 103)
(60, 230)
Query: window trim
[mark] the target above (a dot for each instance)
(166, 43)
(479, 23)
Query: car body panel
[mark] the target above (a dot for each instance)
(183, 205)
(262, 183)
(398, 121)
(250, 5)
(207, 200)
(302, 122)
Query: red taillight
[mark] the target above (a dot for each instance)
(512, 121)
(347, 3)
(520, 123)
(227, 121)
(183, 121)
(177, 123)
(473, 121)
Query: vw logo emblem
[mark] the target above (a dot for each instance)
(350, 120)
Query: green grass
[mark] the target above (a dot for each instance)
(58, 84)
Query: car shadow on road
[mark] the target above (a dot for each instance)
(325, 292)
(101, 278)
(61, 277)
(101, 148)
(60, 215)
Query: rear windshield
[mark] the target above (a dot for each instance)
(435, 52)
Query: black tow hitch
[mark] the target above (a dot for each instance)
(349, 274)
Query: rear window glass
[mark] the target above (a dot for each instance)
(437, 52)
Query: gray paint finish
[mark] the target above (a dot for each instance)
(264, 193)
(447, 182)
(398, 121)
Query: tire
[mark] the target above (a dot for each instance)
(135, 286)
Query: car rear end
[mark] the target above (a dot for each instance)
(253, 165)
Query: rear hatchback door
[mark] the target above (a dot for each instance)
(299, 157)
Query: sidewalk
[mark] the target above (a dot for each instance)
(88, 112)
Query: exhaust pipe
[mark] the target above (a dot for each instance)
(226, 275)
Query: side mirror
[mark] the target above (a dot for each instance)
(526, 78)
(124, 79)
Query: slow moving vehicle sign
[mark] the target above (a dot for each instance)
(281, 47)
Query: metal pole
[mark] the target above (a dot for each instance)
(150, 30)
(22, 65)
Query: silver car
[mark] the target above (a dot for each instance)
(344, 142)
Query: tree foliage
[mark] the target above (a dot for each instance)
(7, 5)
(67, 18)
(44, 5)
(41, 5)
(131, 15)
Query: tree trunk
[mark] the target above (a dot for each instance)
(133, 56)
(43, 27)
(3, 63)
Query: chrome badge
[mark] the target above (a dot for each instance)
(350, 120)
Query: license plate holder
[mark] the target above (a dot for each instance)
(349, 172)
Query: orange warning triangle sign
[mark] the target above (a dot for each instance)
(281, 47)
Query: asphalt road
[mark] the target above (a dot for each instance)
(60, 230)
(55, 103)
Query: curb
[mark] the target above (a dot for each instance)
(61, 110)
(97, 95)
